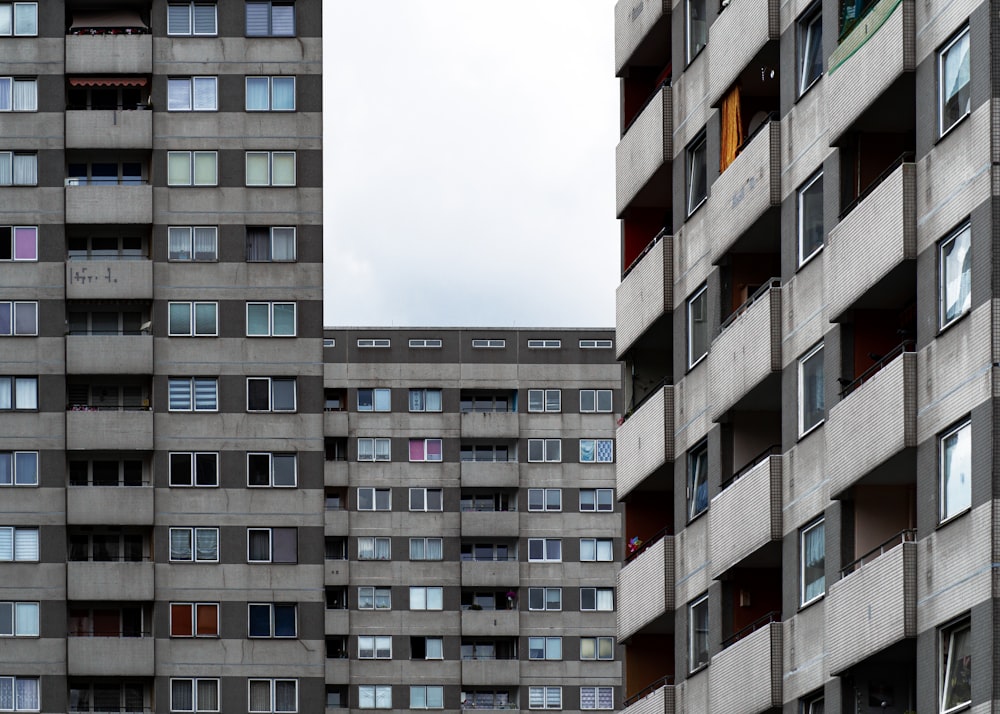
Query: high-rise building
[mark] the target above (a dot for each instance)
(807, 461)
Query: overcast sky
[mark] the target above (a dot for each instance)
(469, 162)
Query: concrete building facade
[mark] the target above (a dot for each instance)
(805, 317)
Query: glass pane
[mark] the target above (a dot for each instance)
(179, 243)
(205, 170)
(178, 168)
(6, 19)
(179, 19)
(283, 93)
(180, 544)
(260, 620)
(283, 395)
(179, 314)
(204, 19)
(205, 243)
(258, 319)
(283, 20)
(257, 173)
(178, 95)
(26, 617)
(204, 318)
(257, 94)
(283, 169)
(284, 319)
(205, 93)
(284, 469)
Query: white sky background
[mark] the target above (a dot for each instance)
(469, 163)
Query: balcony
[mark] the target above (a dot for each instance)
(335, 473)
(873, 424)
(334, 423)
(336, 572)
(748, 188)
(335, 522)
(646, 440)
(491, 672)
(338, 670)
(109, 54)
(642, 27)
(745, 360)
(489, 474)
(646, 293)
(109, 354)
(491, 524)
(871, 244)
(870, 59)
(490, 573)
(746, 677)
(109, 129)
(643, 158)
(109, 580)
(755, 23)
(490, 623)
(110, 656)
(107, 430)
(873, 606)
(646, 590)
(109, 505)
(116, 204)
(746, 515)
(490, 425)
(658, 698)
(109, 279)
(336, 622)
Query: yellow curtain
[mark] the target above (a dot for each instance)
(732, 128)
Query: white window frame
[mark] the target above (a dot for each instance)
(804, 598)
(270, 307)
(374, 498)
(14, 19)
(425, 343)
(805, 45)
(942, 54)
(272, 630)
(551, 697)
(377, 394)
(194, 682)
(375, 594)
(374, 342)
(551, 648)
(699, 294)
(270, 545)
(270, 93)
(596, 344)
(801, 196)
(14, 382)
(191, 240)
(192, 179)
(192, 383)
(815, 353)
(545, 599)
(696, 476)
(192, 93)
(551, 450)
(597, 641)
(597, 592)
(369, 547)
(14, 232)
(370, 647)
(192, 307)
(695, 159)
(596, 395)
(425, 451)
(544, 344)
(431, 596)
(693, 665)
(545, 543)
(595, 445)
(13, 689)
(546, 506)
(959, 434)
(692, 51)
(484, 343)
(598, 691)
(23, 623)
(12, 308)
(813, 705)
(380, 696)
(946, 664)
(270, 20)
(603, 550)
(12, 83)
(20, 538)
(191, 23)
(424, 393)
(20, 460)
(598, 506)
(193, 537)
(193, 472)
(271, 156)
(421, 494)
(376, 441)
(270, 395)
(7, 158)
(272, 235)
(271, 456)
(193, 620)
(551, 401)
(274, 690)
(426, 542)
(963, 233)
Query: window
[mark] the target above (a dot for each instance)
(811, 409)
(955, 275)
(813, 705)
(19, 19)
(596, 549)
(18, 169)
(544, 450)
(545, 599)
(597, 499)
(270, 19)
(425, 450)
(270, 319)
(810, 199)
(20, 393)
(18, 619)
(272, 545)
(426, 549)
(426, 499)
(191, 18)
(597, 451)
(425, 400)
(199, 394)
(271, 620)
(597, 697)
(956, 666)
(374, 499)
(370, 598)
(18, 243)
(489, 344)
(545, 697)
(271, 244)
(369, 342)
(19, 694)
(374, 647)
(194, 619)
(198, 469)
(271, 470)
(374, 400)
(544, 400)
(426, 697)
(545, 550)
(192, 319)
(270, 168)
(698, 633)
(954, 91)
(956, 471)
(697, 28)
(373, 548)
(194, 545)
(18, 544)
(545, 648)
(597, 648)
(374, 696)
(18, 95)
(426, 598)
(812, 552)
(697, 326)
(270, 394)
(595, 400)
(426, 648)
(696, 167)
(697, 480)
(192, 94)
(425, 343)
(544, 344)
(192, 168)
(810, 47)
(376, 449)
(274, 695)
(19, 319)
(198, 243)
(329, 342)
(194, 695)
(18, 468)
(596, 344)
(597, 599)
(270, 94)
(544, 499)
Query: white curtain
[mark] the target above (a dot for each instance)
(204, 19)
(25, 95)
(179, 243)
(26, 616)
(283, 169)
(257, 166)
(26, 544)
(6, 171)
(6, 100)
(205, 93)
(283, 93)
(6, 23)
(257, 93)
(25, 393)
(180, 544)
(178, 95)
(260, 695)
(181, 699)
(25, 170)
(205, 168)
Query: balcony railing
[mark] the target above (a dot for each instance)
(638, 259)
(107, 408)
(491, 707)
(666, 681)
(760, 292)
(485, 509)
(645, 545)
(645, 103)
(907, 535)
(466, 558)
(773, 450)
(905, 346)
(904, 158)
(773, 616)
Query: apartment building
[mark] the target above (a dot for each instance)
(161, 359)
(810, 355)
(472, 538)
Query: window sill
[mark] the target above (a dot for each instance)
(695, 210)
(809, 88)
(696, 363)
(810, 430)
(696, 516)
(700, 668)
(953, 518)
(812, 256)
(958, 122)
(961, 318)
(806, 605)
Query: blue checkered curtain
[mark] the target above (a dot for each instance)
(605, 450)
